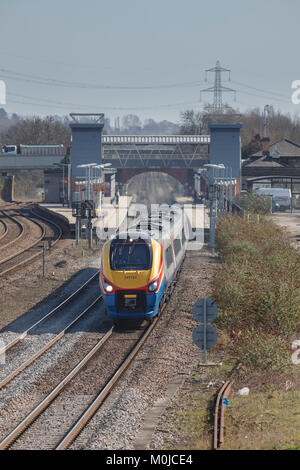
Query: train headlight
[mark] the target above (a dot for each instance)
(153, 286)
(107, 287)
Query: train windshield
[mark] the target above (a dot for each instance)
(130, 256)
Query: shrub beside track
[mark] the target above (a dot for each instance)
(258, 291)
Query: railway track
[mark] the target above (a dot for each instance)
(220, 407)
(154, 188)
(57, 309)
(49, 230)
(64, 428)
(91, 409)
(18, 255)
(72, 302)
(3, 229)
(13, 230)
(48, 345)
(61, 416)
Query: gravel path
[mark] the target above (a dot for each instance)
(290, 222)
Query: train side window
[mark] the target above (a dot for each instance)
(177, 246)
(183, 237)
(169, 256)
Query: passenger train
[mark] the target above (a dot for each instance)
(138, 266)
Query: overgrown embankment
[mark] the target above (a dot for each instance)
(28, 185)
(257, 291)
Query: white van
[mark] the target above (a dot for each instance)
(11, 149)
(282, 197)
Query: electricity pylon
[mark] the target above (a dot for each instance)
(217, 89)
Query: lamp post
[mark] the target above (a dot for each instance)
(88, 210)
(68, 165)
(213, 202)
(100, 167)
(88, 167)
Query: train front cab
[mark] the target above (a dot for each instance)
(132, 277)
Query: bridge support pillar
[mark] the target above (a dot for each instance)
(225, 147)
(86, 143)
(7, 189)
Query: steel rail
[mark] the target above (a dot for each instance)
(5, 229)
(4, 260)
(105, 391)
(87, 415)
(45, 348)
(223, 407)
(39, 253)
(17, 222)
(25, 423)
(218, 438)
(94, 405)
(48, 315)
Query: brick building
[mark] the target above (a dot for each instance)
(275, 165)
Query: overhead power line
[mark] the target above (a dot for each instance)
(61, 83)
(268, 92)
(265, 96)
(62, 105)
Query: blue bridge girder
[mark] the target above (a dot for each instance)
(159, 151)
(129, 151)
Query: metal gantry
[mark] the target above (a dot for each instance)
(155, 151)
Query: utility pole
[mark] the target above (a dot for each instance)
(44, 250)
(78, 228)
(266, 115)
(69, 185)
(89, 227)
(217, 89)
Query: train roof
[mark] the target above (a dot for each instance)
(130, 235)
(160, 224)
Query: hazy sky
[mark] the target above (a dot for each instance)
(64, 56)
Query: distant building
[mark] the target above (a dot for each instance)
(283, 151)
(275, 165)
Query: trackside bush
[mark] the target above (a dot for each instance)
(254, 203)
(262, 351)
(257, 289)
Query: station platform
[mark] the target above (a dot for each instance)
(111, 216)
(61, 210)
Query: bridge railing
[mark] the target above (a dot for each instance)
(155, 139)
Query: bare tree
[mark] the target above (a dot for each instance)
(37, 130)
